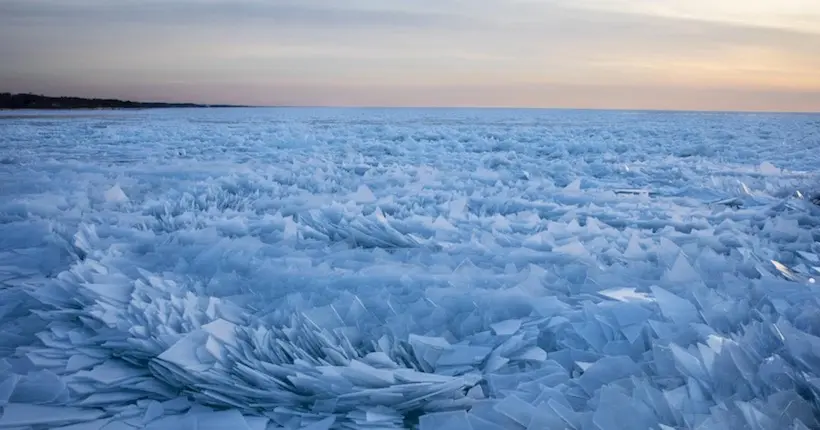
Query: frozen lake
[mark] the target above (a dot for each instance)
(409, 268)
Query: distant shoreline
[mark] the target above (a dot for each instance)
(12, 102)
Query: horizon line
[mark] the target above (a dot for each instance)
(477, 107)
(503, 107)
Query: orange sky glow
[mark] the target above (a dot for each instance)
(630, 54)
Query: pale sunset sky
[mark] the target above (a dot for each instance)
(630, 54)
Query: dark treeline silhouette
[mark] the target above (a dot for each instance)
(34, 101)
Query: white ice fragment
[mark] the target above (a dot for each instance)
(573, 248)
(574, 186)
(583, 365)
(626, 294)
(768, 168)
(363, 195)
(183, 352)
(476, 392)
(291, 228)
(379, 415)
(682, 271)
(441, 224)
(501, 223)
(506, 328)
(458, 208)
(539, 239)
(221, 329)
(746, 189)
(633, 249)
(668, 251)
(115, 194)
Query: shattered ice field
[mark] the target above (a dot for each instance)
(433, 269)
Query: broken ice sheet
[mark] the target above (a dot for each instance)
(617, 411)
(682, 271)
(205, 221)
(463, 355)
(626, 294)
(25, 415)
(678, 310)
(506, 328)
(456, 420)
(607, 370)
(115, 194)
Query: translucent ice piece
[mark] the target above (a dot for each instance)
(464, 355)
(574, 186)
(616, 411)
(607, 370)
(456, 420)
(37, 387)
(626, 294)
(814, 258)
(768, 168)
(24, 415)
(573, 248)
(633, 249)
(115, 194)
(682, 271)
(680, 311)
(517, 410)
(506, 328)
(363, 195)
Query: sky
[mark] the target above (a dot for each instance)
(621, 54)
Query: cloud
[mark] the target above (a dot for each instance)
(801, 15)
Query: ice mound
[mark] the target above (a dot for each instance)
(262, 285)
